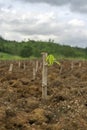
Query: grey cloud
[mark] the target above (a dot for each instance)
(79, 6)
(71, 37)
(80, 41)
(1, 5)
(52, 2)
(10, 6)
(74, 5)
(41, 29)
(6, 4)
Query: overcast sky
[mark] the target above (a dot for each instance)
(64, 21)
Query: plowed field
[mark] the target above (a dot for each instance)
(21, 104)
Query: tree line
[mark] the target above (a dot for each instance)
(34, 48)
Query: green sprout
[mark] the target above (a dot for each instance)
(51, 60)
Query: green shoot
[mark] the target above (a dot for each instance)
(51, 60)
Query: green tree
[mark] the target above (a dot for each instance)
(26, 51)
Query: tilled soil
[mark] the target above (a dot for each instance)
(21, 104)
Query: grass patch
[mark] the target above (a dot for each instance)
(5, 56)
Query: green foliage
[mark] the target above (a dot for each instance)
(33, 48)
(51, 59)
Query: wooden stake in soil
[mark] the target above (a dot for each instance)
(40, 65)
(44, 77)
(24, 66)
(34, 70)
(61, 68)
(34, 73)
(72, 65)
(19, 64)
(79, 64)
(11, 68)
(36, 65)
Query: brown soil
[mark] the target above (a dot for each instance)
(21, 104)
